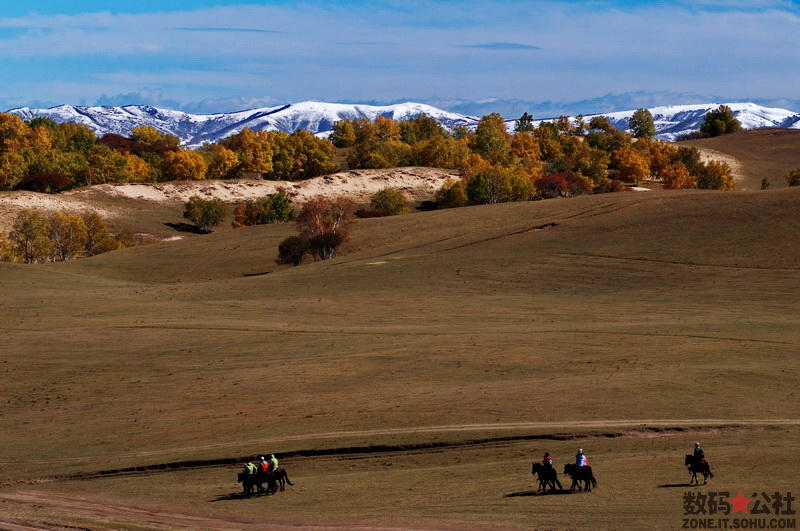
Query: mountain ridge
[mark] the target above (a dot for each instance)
(319, 117)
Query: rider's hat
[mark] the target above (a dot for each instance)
(580, 450)
(697, 444)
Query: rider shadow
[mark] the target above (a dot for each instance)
(535, 493)
(675, 485)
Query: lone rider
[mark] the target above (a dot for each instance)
(273, 461)
(699, 454)
(580, 458)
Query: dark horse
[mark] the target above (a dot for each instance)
(249, 481)
(578, 474)
(696, 466)
(547, 476)
(275, 479)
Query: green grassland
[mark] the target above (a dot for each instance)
(679, 309)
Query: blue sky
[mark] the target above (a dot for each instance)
(473, 55)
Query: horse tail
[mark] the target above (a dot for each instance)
(594, 481)
(286, 475)
(709, 471)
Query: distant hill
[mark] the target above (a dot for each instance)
(319, 118)
(195, 129)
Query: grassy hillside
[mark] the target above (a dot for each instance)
(618, 309)
(763, 153)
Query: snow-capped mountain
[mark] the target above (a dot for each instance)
(672, 121)
(317, 117)
(195, 129)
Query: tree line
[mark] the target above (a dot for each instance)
(39, 238)
(43, 156)
(558, 158)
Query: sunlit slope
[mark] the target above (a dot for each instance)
(763, 153)
(631, 306)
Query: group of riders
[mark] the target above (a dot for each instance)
(581, 471)
(263, 465)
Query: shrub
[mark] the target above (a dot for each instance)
(326, 224)
(793, 177)
(292, 249)
(205, 213)
(274, 208)
(453, 194)
(389, 202)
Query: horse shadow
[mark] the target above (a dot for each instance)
(675, 485)
(233, 496)
(184, 227)
(525, 493)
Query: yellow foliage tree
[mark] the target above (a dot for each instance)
(254, 150)
(676, 176)
(632, 165)
(183, 165)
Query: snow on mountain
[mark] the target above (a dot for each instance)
(319, 118)
(672, 121)
(195, 129)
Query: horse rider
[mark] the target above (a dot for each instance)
(250, 468)
(580, 458)
(699, 454)
(263, 465)
(273, 461)
(548, 460)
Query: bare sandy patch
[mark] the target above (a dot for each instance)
(737, 170)
(418, 184)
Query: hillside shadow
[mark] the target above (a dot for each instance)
(184, 227)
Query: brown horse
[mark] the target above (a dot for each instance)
(697, 466)
(578, 474)
(547, 476)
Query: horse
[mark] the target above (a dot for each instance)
(578, 474)
(249, 481)
(275, 479)
(696, 466)
(547, 476)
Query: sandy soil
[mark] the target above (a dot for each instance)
(737, 169)
(419, 184)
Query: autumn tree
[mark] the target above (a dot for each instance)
(386, 129)
(326, 223)
(67, 235)
(720, 121)
(222, 163)
(440, 152)
(676, 176)
(104, 165)
(205, 213)
(632, 165)
(274, 208)
(641, 124)
(423, 127)
(153, 139)
(183, 165)
(98, 239)
(601, 123)
(254, 150)
(344, 134)
(29, 236)
(716, 175)
(389, 202)
(452, 195)
(492, 141)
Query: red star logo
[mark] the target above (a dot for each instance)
(740, 502)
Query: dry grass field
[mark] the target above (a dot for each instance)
(763, 153)
(466, 341)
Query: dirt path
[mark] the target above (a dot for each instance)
(116, 514)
